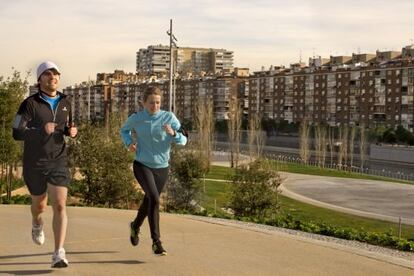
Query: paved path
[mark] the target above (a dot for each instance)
(376, 199)
(98, 244)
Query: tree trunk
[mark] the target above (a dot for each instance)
(9, 181)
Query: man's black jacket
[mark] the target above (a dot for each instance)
(40, 149)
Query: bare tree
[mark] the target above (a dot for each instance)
(362, 144)
(344, 145)
(204, 123)
(323, 145)
(255, 137)
(351, 145)
(320, 144)
(234, 125)
(331, 143)
(304, 141)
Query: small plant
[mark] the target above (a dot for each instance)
(254, 190)
(184, 185)
(17, 199)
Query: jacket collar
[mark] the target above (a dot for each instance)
(156, 115)
(39, 94)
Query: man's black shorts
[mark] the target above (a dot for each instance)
(37, 179)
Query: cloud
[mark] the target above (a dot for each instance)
(103, 35)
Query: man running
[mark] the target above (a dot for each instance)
(42, 121)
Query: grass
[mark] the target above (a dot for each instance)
(312, 170)
(216, 196)
(308, 212)
(219, 172)
(220, 191)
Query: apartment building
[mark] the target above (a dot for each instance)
(89, 100)
(110, 95)
(155, 59)
(360, 89)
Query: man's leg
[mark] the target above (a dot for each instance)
(39, 203)
(58, 196)
(38, 207)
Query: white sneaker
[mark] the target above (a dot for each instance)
(59, 259)
(38, 236)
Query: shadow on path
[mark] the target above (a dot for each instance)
(50, 253)
(26, 272)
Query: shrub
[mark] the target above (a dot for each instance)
(184, 186)
(254, 191)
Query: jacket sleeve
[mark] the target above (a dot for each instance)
(126, 130)
(69, 121)
(179, 138)
(24, 115)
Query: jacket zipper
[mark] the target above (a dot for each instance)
(53, 113)
(51, 109)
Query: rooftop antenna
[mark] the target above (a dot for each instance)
(359, 50)
(300, 56)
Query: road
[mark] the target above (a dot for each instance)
(376, 199)
(98, 244)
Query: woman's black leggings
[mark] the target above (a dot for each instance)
(152, 182)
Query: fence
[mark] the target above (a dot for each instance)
(346, 168)
(340, 167)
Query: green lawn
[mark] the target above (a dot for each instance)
(219, 172)
(312, 170)
(216, 194)
(307, 212)
(219, 191)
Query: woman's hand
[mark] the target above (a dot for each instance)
(133, 147)
(169, 130)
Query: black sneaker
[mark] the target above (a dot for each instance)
(134, 234)
(158, 249)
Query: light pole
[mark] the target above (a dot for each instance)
(172, 45)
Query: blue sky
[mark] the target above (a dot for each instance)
(87, 37)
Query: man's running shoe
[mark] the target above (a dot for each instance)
(158, 249)
(38, 236)
(59, 259)
(134, 234)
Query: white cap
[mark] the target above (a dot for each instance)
(46, 66)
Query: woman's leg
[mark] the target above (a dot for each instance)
(152, 181)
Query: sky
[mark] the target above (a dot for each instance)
(95, 36)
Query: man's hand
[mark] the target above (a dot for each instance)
(50, 128)
(73, 130)
(133, 147)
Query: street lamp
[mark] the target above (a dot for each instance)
(172, 45)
